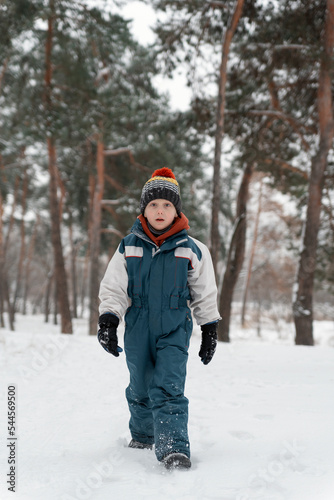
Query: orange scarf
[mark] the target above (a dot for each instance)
(179, 224)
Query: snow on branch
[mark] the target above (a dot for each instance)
(116, 152)
(110, 202)
(121, 151)
(291, 46)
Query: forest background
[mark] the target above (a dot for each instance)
(83, 123)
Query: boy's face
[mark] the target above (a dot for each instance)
(160, 213)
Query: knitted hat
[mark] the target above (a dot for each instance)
(162, 185)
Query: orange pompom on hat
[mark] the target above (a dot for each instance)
(162, 185)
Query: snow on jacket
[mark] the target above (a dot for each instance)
(162, 279)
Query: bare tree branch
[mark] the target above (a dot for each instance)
(276, 105)
(217, 5)
(280, 115)
(115, 184)
(113, 231)
(286, 166)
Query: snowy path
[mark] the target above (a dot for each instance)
(261, 422)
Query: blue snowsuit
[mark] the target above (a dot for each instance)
(154, 286)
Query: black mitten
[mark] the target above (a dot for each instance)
(209, 342)
(107, 335)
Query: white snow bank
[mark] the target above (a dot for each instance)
(261, 420)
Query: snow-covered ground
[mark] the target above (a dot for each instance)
(261, 420)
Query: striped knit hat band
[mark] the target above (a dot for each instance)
(162, 185)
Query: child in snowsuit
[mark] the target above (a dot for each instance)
(155, 274)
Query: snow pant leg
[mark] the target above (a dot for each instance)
(170, 406)
(141, 419)
(140, 364)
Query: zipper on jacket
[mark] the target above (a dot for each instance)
(143, 237)
(155, 251)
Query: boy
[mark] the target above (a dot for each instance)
(156, 271)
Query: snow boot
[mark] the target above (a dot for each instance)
(140, 446)
(176, 461)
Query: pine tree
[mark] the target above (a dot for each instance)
(93, 96)
(284, 89)
(271, 95)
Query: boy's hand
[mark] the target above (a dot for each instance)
(107, 335)
(209, 342)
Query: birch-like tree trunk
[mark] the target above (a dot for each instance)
(303, 300)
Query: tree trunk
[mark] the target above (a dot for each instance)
(60, 273)
(251, 259)
(95, 235)
(12, 215)
(55, 303)
(3, 71)
(303, 301)
(10, 304)
(47, 297)
(73, 269)
(235, 257)
(23, 246)
(215, 208)
(28, 266)
(4, 287)
(2, 267)
(5, 246)
(83, 284)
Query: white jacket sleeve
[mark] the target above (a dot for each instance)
(113, 288)
(203, 289)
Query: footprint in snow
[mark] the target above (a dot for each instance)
(242, 435)
(264, 417)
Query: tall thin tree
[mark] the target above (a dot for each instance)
(60, 272)
(303, 301)
(95, 237)
(220, 114)
(235, 256)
